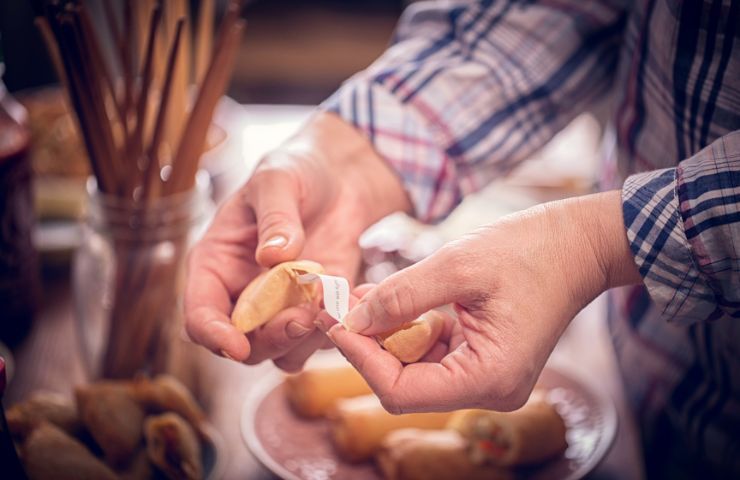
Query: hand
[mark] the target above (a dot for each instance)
(310, 199)
(515, 285)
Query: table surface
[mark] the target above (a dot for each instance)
(48, 359)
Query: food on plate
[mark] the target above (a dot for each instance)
(50, 454)
(411, 341)
(358, 425)
(173, 447)
(314, 391)
(54, 408)
(273, 291)
(529, 435)
(413, 454)
(166, 393)
(113, 418)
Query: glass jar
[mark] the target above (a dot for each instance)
(128, 277)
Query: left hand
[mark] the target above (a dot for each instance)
(515, 285)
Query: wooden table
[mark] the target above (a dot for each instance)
(49, 358)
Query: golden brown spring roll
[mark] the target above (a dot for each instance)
(314, 391)
(113, 418)
(358, 425)
(166, 393)
(140, 468)
(50, 454)
(529, 435)
(413, 340)
(173, 447)
(413, 454)
(54, 408)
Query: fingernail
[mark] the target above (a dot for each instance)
(226, 355)
(296, 330)
(275, 242)
(358, 319)
(330, 333)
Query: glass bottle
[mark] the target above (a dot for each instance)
(19, 274)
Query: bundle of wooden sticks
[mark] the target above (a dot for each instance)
(144, 113)
(143, 134)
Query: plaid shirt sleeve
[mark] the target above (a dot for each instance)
(683, 225)
(469, 89)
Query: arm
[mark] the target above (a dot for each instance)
(683, 225)
(469, 90)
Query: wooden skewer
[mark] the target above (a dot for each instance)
(56, 60)
(204, 39)
(97, 99)
(146, 81)
(68, 48)
(185, 164)
(151, 172)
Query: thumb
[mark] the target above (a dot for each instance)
(404, 296)
(275, 199)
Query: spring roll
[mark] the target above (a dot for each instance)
(526, 436)
(413, 454)
(50, 454)
(113, 418)
(173, 447)
(166, 393)
(358, 425)
(54, 408)
(314, 391)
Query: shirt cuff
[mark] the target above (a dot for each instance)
(404, 139)
(657, 238)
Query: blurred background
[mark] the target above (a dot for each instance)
(295, 52)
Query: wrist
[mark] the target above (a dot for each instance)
(590, 246)
(361, 171)
(604, 225)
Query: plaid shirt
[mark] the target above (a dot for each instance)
(469, 89)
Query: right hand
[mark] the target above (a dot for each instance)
(310, 199)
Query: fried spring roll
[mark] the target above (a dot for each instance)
(166, 393)
(113, 418)
(358, 425)
(529, 435)
(314, 391)
(173, 447)
(49, 453)
(54, 408)
(413, 454)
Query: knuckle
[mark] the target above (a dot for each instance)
(271, 219)
(397, 298)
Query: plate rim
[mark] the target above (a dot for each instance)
(272, 379)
